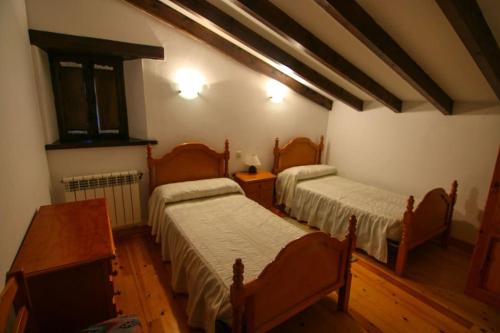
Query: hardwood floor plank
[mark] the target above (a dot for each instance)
(435, 305)
(429, 299)
(406, 309)
(440, 276)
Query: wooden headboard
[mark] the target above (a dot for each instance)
(299, 151)
(188, 161)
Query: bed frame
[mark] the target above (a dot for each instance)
(304, 271)
(431, 218)
(188, 161)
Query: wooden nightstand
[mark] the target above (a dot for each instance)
(258, 187)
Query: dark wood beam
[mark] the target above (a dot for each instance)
(278, 21)
(221, 20)
(466, 18)
(56, 42)
(354, 18)
(196, 30)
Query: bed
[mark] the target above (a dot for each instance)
(313, 193)
(239, 263)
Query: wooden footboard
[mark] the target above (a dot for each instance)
(431, 218)
(305, 271)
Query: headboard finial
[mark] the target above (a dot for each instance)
(320, 149)
(226, 158)
(411, 202)
(453, 192)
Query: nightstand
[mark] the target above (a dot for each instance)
(258, 186)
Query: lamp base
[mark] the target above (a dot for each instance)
(252, 169)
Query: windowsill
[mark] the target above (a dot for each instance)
(99, 143)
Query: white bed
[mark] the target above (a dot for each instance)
(313, 193)
(203, 237)
(208, 228)
(324, 200)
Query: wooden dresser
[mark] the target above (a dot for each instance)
(66, 257)
(258, 186)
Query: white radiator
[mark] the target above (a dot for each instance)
(121, 190)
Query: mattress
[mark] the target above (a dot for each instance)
(203, 237)
(327, 202)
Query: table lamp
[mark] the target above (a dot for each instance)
(253, 162)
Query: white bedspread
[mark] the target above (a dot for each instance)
(328, 202)
(203, 237)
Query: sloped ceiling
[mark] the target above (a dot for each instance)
(419, 27)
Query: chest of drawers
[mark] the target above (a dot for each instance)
(66, 256)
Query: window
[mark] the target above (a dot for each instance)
(90, 97)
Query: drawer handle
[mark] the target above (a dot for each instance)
(118, 292)
(114, 273)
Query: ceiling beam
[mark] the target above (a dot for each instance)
(354, 18)
(179, 21)
(278, 21)
(466, 18)
(235, 29)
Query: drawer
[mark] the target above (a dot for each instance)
(254, 195)
(251, 188)
(267, 186)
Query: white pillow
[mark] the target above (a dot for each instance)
(287, 180)
(311, 171)
(196, 189)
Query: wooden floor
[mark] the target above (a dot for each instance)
(430, 299)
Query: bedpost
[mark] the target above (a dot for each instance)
(452, 199)
(405, 237)
(226, 158)
(320, 149)
(343, 299)
(150, 167)
(276, 152)
(237, 296)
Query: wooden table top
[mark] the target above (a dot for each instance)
(255, 177)
(65, 235)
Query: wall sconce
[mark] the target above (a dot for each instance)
(189, 82)
(276, 91)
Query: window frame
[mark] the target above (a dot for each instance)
(88, 62)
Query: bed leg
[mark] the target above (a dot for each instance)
(237, 296)
(445, 237)
(344, 292)
(405, 237)
(343, 295)
(453, 198)
(401, 260)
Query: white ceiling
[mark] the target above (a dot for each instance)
(418, 26)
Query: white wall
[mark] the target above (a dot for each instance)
(23, 167)
(418, 150)
(234, 104)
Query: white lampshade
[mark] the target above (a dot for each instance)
(252, 159)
